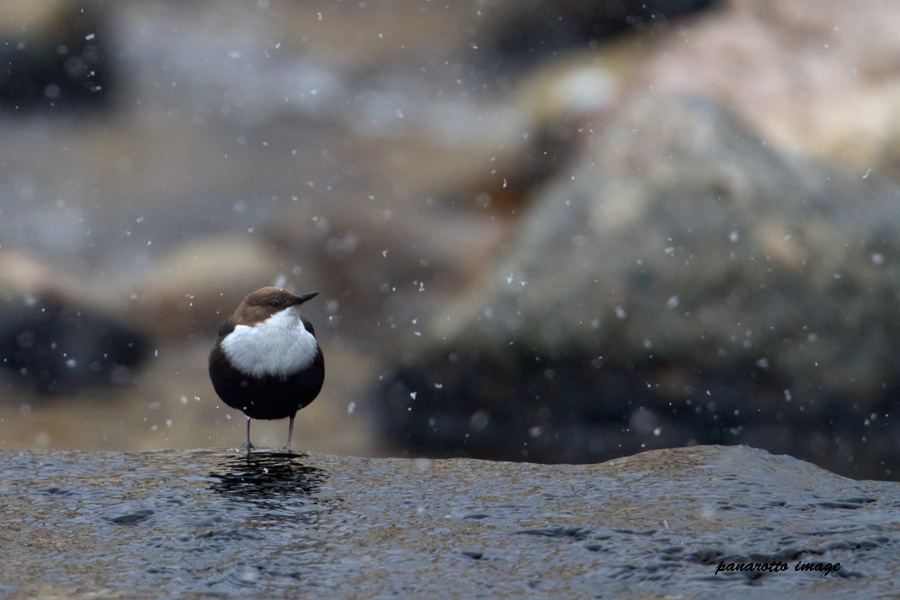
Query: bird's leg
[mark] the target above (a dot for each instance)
(290, 432)
(247, 445)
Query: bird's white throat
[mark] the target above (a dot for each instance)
(279, 346)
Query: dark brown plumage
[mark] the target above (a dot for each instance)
(266, 361)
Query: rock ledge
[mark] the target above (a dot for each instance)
(173, 523)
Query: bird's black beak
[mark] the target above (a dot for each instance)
(304, 297)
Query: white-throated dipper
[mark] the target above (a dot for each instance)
(266, 361)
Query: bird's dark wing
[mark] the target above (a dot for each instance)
(306, 324)
(226, 328)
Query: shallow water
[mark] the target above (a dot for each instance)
(220, 524)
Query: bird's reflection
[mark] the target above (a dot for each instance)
(280, 484)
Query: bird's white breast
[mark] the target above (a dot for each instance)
(279, 346)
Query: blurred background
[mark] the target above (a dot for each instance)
(543, 231)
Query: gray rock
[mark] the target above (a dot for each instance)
(56, 57)
(380, 270)
(201, 523)
(198, 284)
(682, 283)
(529, 31)
(57, 336)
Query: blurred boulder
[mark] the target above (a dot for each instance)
(681, 283)
(200, 283)
(382, 269)
(821, 78)
(525, 32)
(55, 338)
(551, 105)
(54, 54)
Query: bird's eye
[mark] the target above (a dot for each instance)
(274, 303)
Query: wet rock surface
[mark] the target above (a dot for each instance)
(213, 523)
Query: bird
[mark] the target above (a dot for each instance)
(266, 361)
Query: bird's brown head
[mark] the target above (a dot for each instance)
(258, 306)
